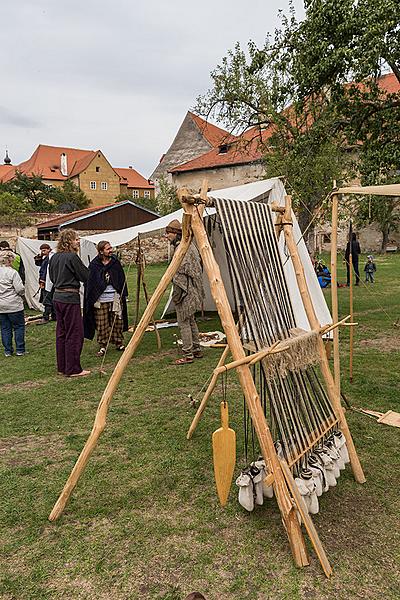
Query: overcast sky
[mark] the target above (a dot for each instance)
(115, 75)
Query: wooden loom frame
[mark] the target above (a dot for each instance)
(288, 498)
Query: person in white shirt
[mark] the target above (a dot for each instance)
(11, 306)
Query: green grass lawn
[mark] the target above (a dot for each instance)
(144, 520)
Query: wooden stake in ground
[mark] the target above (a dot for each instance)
(102, 410)
(206, 396)
(351, 300)
(334, 291)
(141, 267)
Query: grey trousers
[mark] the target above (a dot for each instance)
(189, 334)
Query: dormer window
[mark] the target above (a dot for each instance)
(223, 148)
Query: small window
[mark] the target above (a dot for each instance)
(104, 185)
(147, 194)
(223, 149)
(92, 185)
(135, 193)
(326, 238)
(97, 169)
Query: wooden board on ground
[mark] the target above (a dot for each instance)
(390, 418)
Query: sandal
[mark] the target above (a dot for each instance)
(101, 352)
(120, 348)
(198, 354)
(184, 360)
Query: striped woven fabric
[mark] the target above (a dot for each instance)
(295, 402)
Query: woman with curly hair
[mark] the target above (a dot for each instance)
(66, 271)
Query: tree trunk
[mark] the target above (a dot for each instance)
(304, 219)
(385, 239)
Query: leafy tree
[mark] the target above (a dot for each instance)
(148, 203)
(250, 91)
(39, 196)
(71, 198)
(13, 210)
(167, 199)
(342, 48)
(297, 93)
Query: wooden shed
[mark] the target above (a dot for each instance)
(111, 217)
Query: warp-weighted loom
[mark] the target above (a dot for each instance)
(303, 412)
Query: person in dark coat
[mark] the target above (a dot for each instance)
(67, 271)
(354, 246)
(105, 309)
(45, 298)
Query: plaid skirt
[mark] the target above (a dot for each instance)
(108, 325)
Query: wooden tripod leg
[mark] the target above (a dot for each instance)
(206, 396)
(305, 517)
(138, 280)
(253, 402)
(100, 420)
(315, 325)
(146, 295)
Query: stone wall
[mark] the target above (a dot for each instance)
(155, 248)
(188, 143)
(220, 178)
(11, 233)
(370, 238)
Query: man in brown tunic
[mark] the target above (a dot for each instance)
(187, 294)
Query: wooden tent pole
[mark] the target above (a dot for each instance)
(334, 291)
(314, 324)
(138, 282)
(351, 300)
(218, 292)
(146, 296)
(101, 414)
(208, 393)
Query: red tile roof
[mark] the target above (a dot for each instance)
(213, 134)
(133, 179)
(45, 161)
(4, 169)
(238, 152)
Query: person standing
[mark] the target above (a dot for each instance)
(369, 269)
(11, 306)
(45, 298)
(353, 248)
(66, 271)
(17, 264)
(187, 294)
(105, 309)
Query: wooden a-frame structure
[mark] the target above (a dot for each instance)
(279, 475)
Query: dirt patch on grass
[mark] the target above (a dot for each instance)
(23, 385)
(32, 450)
(385, 343)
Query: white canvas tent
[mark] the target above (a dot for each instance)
(269, 190)
(28, 249)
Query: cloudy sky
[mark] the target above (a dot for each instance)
(118, 75)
